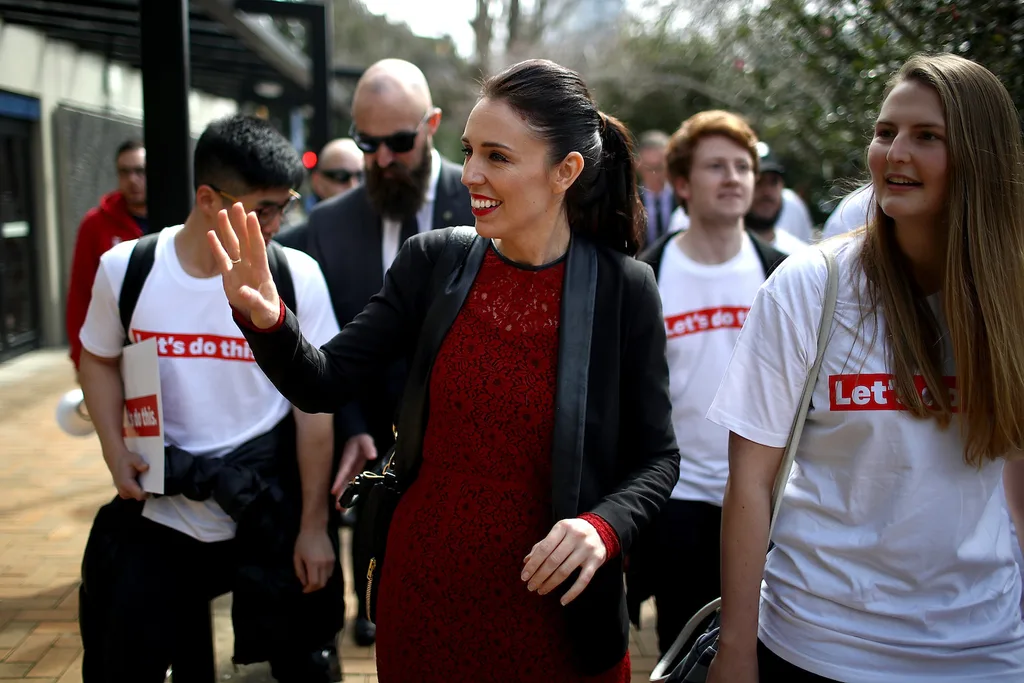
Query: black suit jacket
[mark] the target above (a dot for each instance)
(344, 235)
(652, 220)
(614, 451)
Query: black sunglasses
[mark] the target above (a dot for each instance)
(399, 143)
(340, 175)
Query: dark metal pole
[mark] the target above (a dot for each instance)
(163, 44)
(164, 47)
(320, 48)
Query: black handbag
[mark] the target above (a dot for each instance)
(689, 659)
(375, 494)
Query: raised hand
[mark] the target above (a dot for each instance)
(241, 255)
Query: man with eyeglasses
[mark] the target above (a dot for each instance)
(119, 217)
(408, 188)
(247, 506)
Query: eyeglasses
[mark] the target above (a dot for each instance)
(266, 212)
(340, 175)
(126, 171)
(399, 143)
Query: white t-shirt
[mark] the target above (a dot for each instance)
(853, 211)
(892, 559)
(786, 243)
(215, 397)
(704, 307)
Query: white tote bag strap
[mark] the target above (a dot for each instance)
(824, 325)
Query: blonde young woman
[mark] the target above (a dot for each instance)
(893, 558)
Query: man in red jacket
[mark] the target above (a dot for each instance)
(120, 216)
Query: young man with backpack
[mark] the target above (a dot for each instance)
(708, 276)
(246, 506)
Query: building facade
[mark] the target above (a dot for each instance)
(63, 111)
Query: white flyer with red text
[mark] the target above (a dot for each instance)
(143, 411)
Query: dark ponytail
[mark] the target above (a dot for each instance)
(603, 203)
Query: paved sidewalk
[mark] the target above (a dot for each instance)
(50, 488)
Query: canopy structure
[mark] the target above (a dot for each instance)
(227, 48)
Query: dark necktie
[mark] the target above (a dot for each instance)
(660, 221)
(410, 226)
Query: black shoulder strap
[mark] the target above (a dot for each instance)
(139, 264)
(282, 274)
(653, 253)
(769, 256)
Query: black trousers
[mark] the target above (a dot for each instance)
(685, 559)
(143, 587)
(774, 669)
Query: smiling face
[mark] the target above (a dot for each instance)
(511, 180)
(721, 182)
(908, 156)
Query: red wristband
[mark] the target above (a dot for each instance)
(605, 531)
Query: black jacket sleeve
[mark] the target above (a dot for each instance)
(647, 443)
(322, 380)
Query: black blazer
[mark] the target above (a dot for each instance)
(614, 451)
(652, 220)
(344, 235)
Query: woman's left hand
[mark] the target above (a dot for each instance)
(571, 544)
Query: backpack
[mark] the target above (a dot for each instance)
(769, 256)
(144, 255)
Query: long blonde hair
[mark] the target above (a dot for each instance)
(983, 289)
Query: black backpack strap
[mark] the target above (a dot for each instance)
(282, 274)
(653, 253)
(769, 256)
(139, 264)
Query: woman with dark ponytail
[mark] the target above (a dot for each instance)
(535, 436)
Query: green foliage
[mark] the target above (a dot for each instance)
(362, 38)
(808, 74)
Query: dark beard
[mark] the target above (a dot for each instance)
(761, 225)
(398, 192)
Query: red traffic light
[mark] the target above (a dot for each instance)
(309, 159)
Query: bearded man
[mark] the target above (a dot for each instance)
(408, 188)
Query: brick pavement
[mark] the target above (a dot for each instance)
(50, 487)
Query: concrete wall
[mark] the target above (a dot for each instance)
(58, 73)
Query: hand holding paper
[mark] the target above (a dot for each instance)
(143, 419)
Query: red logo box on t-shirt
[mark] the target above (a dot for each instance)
(706, 319)
(197, 345)
(876, 392)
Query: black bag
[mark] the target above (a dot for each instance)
(375, 494)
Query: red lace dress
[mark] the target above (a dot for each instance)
(452, 606)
